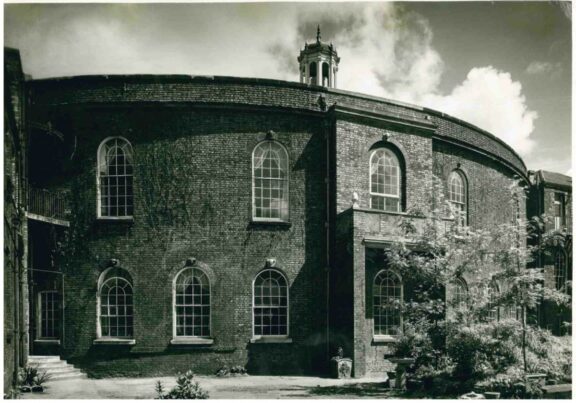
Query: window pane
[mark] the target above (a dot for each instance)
(116, 308)
(115, 176)
(387, 295)
(385, 179)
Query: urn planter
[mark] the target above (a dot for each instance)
(341, 368)
(402, 363)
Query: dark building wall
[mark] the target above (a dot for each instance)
(193, 199)
(14, 220)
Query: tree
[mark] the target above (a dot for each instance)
(442, 256)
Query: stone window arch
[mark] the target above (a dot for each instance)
(115, 179)
(386, 178)
(388, 294)
(270, 304)
(458, 196)
(270, 182)
(191, 303)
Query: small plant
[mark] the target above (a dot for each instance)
(186, 388)
(31, 375)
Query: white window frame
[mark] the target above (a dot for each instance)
(397, 196)
(114, 339)
(386, 336)
(281, 338)
(179, 339)
(458, 205)
(98, 174)
(286, 217)
(40, 312)
(560, 220)
(494, 313)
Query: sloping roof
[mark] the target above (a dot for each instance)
(555, 178)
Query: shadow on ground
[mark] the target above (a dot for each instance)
(374, 390)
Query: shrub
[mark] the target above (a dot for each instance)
(186, 388)
(227, 371)
(512, 385)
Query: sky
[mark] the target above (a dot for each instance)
(503, 66)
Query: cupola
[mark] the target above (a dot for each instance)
(318, 63)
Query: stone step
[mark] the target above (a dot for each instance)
(65, 377)
(63, 370)
(37, 359)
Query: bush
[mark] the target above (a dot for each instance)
(512, 385)
(186, 388)
(31, 375)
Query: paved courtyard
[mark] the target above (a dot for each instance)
(241, 387)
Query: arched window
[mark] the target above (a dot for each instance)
(191, 303)
(270, 179)
(313, 73)
(560, 272)
(116, 308)
(385, 181)
(387, 296)
(460, 292)
(115, 179)
(270, 304)
(493, 294)
(457, 196)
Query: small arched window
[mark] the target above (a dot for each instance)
(115, 179)
(270, 180)
(116, 308)
(457, 195)
(191, 303)
(460, 292)
(560, 272)
(385, 181)
(387, 297)
(493, 294)
(270, 304)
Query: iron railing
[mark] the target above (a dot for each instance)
(48, 204)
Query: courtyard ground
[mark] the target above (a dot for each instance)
(240, 387)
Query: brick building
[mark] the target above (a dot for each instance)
(181, 222)
(551, 197)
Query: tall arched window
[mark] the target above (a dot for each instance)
(460, 292)
(387, 296)
(385, 181)
(191, 303)
(115, 179)
(270, 304)
(270, 178)
(116, 308)
(457, 195)
(560, 272)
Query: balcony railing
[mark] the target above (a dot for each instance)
(44, 203)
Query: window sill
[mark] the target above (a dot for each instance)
(113, 341)
(384, 338)
(271, 340)
(116, 219)
(195, 341)
(264, 221)
(47, 341)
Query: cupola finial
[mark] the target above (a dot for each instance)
(318, 37)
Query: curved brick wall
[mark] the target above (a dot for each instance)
(255, 92)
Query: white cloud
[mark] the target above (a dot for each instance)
(536, 67)
(490, 99)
